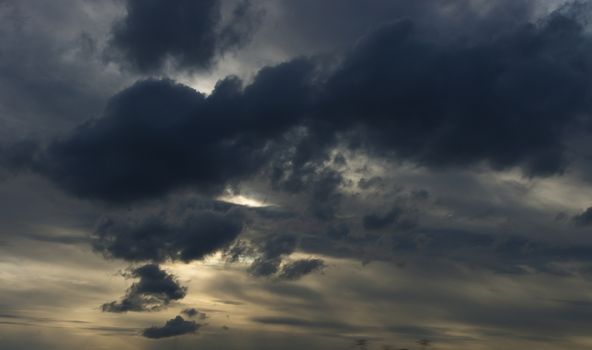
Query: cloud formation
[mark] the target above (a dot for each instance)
(155, 290)
(165, 236)
(192, 313)
(270, 257)
(506, 102)
(172, 328)
(158, 136)
(188, 33)
(296, 269)
(441, 148)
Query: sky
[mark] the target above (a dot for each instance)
(334, 174)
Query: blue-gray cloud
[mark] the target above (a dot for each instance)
(154, 290)
(172, 328)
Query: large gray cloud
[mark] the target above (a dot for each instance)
(505, 102)
(204, 143)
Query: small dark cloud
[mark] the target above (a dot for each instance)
(188, 33)
(425, 342)
(340, 160)
(193, 313)
(299, 268)
(269, 257)
(262, 267)
(270, 253)
(172, 328)
(155, 290)
(361, 344)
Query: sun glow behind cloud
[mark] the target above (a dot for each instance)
(243, 200)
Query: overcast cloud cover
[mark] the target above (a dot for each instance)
(314, 174)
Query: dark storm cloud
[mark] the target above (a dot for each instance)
(296, 269)
(186, 31)
(160, 237)
(504, 99)
(158, 136)
(173, 327)
(155, 289)
(150, 140)
(506, 102)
